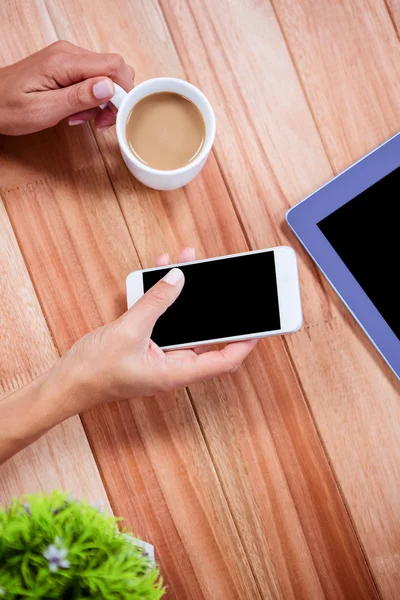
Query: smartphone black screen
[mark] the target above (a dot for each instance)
(365, 234)
(221, 298)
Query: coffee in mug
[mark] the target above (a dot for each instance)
(165, 131)
(169, 179)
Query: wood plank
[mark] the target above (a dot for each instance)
(347, 57)
(394, 11)
(27, 352)
(79, 257)
(80, 236)
(62, 458)
(155, 459)
(277, 520)
(356, 114)
(340, 372)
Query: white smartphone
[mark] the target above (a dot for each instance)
(226, 299)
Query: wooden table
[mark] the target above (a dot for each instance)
(282, 481)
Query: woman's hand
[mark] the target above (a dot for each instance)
(117, 361)
(120, 361)
(59, 82)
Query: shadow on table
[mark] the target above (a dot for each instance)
(50, 154)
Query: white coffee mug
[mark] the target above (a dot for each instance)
(155, 178)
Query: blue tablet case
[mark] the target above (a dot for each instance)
(304, 217)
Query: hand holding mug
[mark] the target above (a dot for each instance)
(62, 81)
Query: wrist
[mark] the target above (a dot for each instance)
(76, 384)
(25, 415)
(63, 391)
(44, 403)
(33, 410)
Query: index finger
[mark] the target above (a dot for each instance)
(227, 360)
(73, 68)
(211, 364)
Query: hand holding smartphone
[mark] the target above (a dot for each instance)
(226, 299)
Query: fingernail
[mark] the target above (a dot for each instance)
(103, 128)
(192, 253)
(173, 276)
(75, 122)
(103, 89)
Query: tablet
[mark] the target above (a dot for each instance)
(351, 228)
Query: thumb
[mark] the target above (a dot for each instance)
(82, 96)
(155, 302)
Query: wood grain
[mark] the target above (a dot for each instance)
(62, 458)
(347, 56)
(232, 483)
(394, 11)
(341, 374)
(290, 562)
(81, 237)
(28, 351)
(354, 116)
(79, 257)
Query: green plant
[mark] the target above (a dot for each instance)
(52, 546)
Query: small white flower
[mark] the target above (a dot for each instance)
(57, 556)
(27, 507)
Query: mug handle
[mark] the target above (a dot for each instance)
(118, 97)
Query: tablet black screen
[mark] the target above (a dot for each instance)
(365, 232)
